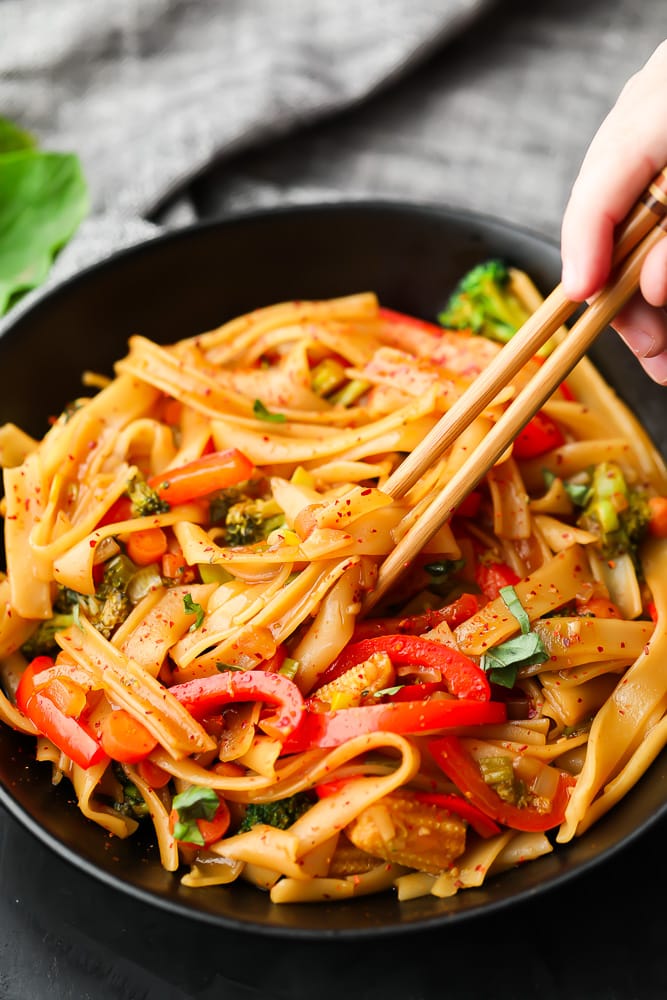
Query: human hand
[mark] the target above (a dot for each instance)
(627, 152)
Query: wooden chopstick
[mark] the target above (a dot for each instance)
(523, 345)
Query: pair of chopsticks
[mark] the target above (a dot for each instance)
(643, 229)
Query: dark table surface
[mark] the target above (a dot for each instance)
(66, 936)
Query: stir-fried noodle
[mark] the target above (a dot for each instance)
(187, 552)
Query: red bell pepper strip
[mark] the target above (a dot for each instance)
(204, 695)
(454, 614)
(450, 755)
(469, 506)
(332, 729)
(403, 319)
(67, 733)
(120, 510)
(417, 692)
(540, 435)
(480, 822)
(204, 475)
(464, 678)
(492, 577)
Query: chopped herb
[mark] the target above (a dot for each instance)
(515, 607)
(502, 663)
(223, 667)
(579, 493)
(192, 608)
(386, 691)
(196, 802)
(262, 413)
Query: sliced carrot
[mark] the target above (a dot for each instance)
(172, 410)
(599, 607)
(657, 523)
(153, 774)
(211, 472)
(124, 738)
(147, 546)
(210, 829)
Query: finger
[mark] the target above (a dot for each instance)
(656, 368)
(643, 327)
(653, 280)
(628, 150)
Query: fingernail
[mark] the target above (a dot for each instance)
(640, 343)
(657, 368)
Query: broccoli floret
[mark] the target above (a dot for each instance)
(132, 803)
(222, 501)
(109, 606)
(280, 814)
(118, 572)
(617, 514)
(251, 521)
(145, 500)
(42, 642)
(484, 303)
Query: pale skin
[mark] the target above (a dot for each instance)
(627, 152)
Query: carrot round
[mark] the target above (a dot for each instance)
(124, 738)
(147, 546)
(153, 774)
(657, 523)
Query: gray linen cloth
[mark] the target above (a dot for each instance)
(150, 93)
(184, 108)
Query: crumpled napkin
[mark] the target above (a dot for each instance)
(150, 93)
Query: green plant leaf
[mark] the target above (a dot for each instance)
(13, 138)
(43, 198)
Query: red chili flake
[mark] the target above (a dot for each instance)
(600, 649)
(365, 493)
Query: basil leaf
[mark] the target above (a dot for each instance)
(196, 802)
(12, 137)
(192, 608)
(43, 199)
(389, 690)
(502, 663)
(444, 567)
(262, 413)
(515, 607)
(579, 493)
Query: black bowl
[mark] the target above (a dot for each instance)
(190, 281)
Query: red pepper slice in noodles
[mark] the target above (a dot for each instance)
(451, 756)
(70, 735)
(332, 729)
(463, 677)
(206, 694)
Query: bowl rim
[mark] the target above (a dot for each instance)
(41, 299)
